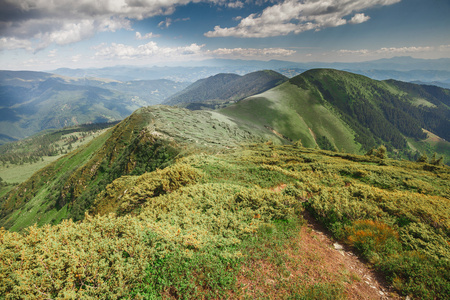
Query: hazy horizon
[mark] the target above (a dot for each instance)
(43, 35)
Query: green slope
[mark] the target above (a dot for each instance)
(187, 199)
(296, 114)
(150, 138)
(220, 89)
(350, 112)
(201, 226)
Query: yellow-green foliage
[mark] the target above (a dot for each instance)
(100, 256)
(105, 256)
(396, 213)
(128, 192)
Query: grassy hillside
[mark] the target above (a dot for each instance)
(173, 203)
(19, 160)
(224, 88)
(337, 110)
(149, 139)
(296, 115)
(194, 227)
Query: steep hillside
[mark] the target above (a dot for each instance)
(222, 88)
(150, 138)
(204, 224)
(34, 101)
(344, 111)
(19, 160)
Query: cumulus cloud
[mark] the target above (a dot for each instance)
(146, 36)
(296, 16)
(67, 21)
(391, 50)
(360, 52)
(251, 52)
(359, 18)
(169, 21)
(237, 4)
(149, 50)
(394, 50)
(12, 43)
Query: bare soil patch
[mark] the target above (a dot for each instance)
(310, 265)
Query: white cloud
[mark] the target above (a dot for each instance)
(11, 43)
(237, 4)
(444, 48)
(71, 33)
(391, 50)
(359, 18)
(360, 52)
(251, 52)
(394, 50)
(76, 58)
(146, 36)
(52, 53)
(296, 16)
(66, 21)
(165, 23)
(169, 22)
(149, 50)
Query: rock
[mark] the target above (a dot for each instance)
(338, 246)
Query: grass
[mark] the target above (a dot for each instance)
(39, 209)
(15, 174)
(204, 236)
(216, 211)
(296, 114)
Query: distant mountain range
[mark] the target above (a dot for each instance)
(402, 68)
(34, 101)
(225, 88)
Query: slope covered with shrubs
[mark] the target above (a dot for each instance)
(179, 232)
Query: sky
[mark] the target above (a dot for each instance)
(51, 34)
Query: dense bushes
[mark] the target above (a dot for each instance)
(190, 218)
(106, 256)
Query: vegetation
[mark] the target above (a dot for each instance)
(222, 89)
(68, 187)
(186, 229)
(171, 203)
(337, 110)
(48, 143)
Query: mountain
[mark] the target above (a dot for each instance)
(150, 138)
(399, 63)
(35, 101)
(445, 85)
(339, 110)
(174, 208)
(322, 108)
(172, 202)
(175, 73)
(223, 88)
(402, 68)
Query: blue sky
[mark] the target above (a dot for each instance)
(45, 34)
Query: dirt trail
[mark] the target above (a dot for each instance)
(337, 258)
(311, 259)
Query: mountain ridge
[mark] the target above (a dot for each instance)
(223, 88)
